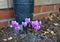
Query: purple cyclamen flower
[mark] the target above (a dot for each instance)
(24, 24)
(35, 25)
(15, 25)
(17, 28)
(37, 28)
(27, 20)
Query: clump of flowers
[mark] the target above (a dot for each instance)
(36, 25)
(15, 25)
(27, 21)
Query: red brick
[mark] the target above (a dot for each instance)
(4, 14)
(37, 9)
(3, 24)
(39, 16)
(57, 6)
(47, 8)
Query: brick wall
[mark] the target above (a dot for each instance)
(39, 11)
(5, 16)
(45, 10)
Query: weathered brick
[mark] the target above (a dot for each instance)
(57, 6)
(7, 13)
(47, 8)
(37, 9)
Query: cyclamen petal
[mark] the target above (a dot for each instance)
(14, 24)
(17, 28)
(35, 25)
(24, 24)
(27, 20)
(37, 28)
